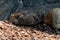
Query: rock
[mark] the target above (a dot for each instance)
(33, 3)
(26, 17)
(47, 8)
(38, 3)
(26, 3)
(53, 17)
(51, 1)
(20, 3)
(5, 8)
(48, 19)
(8, 6)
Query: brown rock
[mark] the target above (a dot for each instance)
(26, 17)
(53, 17)
(49, 19)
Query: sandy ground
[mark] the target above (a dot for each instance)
(12, 32)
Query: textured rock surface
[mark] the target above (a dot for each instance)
(8, 6)
(53, 17)
(26, 17)
(5, 8)
(51, 1)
